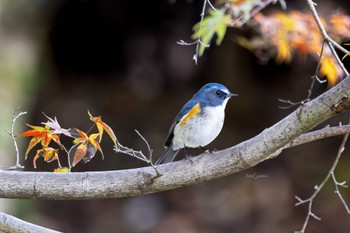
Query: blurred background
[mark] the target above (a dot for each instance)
(120, 60)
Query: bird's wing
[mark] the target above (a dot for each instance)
(189, 107)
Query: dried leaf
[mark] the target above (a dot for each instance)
(85, 148)
(49, 154)
(53, 124)
(77, 153)
(102, 126)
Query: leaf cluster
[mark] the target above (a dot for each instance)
(85, 144)
(280, 35)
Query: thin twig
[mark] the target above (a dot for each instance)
(315, 77)
(337, 191)
(119, 148)
(195, 56)
(11, 133)
(330, 42)
(288, 103)
(237, 21)
(318, 188)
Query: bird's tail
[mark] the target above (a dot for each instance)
(168, 156)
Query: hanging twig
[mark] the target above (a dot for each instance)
(11, 133)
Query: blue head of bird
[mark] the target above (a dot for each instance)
(213, 95)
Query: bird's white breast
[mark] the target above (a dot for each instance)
(200, 130)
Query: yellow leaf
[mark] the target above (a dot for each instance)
(61, 170)
(49, 154)
(102, 126)
(284, 53)
(328, 69)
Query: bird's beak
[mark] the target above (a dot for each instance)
(232, 95)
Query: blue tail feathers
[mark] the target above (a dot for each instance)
(168, 156)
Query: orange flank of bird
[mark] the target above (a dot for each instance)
(194, 111)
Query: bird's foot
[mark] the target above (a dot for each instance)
(189, 157)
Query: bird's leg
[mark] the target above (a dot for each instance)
(187, 156)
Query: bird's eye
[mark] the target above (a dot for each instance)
(218, 93)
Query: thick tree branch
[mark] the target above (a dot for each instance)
(12, 224)
(132, 182)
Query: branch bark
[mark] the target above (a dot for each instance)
(207, 166)
(12, 224)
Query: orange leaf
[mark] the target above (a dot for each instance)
(85, 148)
(40, 134)
(101, 126)
(95, 144)
(32, 143)
(83, 137)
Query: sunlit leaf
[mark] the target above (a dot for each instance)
(102, 126)
(340, 25)
(85, 148)
(61, 170)
(348, 53)
(328, 69)
(95, 143)
(49, 154)
(215, 23)
(40, 134)
(83, 137)
(281, 35)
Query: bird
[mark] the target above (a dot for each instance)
(199, 122)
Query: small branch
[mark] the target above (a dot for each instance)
(238, 19)
(318, 188)
(119, 148)
(320, 134)
(198, 42)
(330, 42)
(11, 133)
(12, 224)
(342, 184)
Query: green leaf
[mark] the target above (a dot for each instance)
(215, 23)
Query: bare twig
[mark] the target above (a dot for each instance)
(198, 42)
(318, 188)
(11, 133)
(239, 17)
(119, 148)
(289, 103)
(331, 44)
(342, 184)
